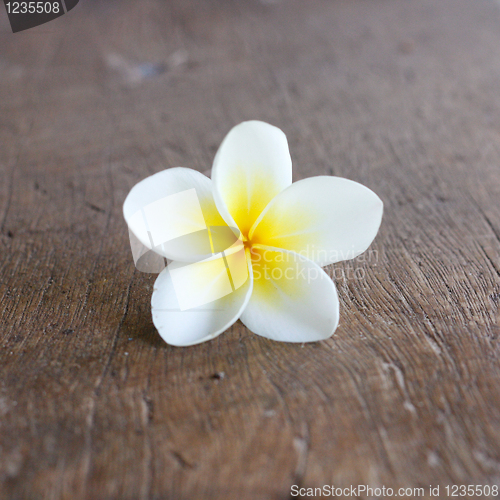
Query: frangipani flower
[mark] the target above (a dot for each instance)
(248, 244)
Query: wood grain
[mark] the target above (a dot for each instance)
(401, 96)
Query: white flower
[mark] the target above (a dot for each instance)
(249, 244)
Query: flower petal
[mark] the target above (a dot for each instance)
(170, 212)
(204, 318)
(293, 299)
(252, 166)
(327, 219)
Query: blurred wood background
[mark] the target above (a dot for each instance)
(403, 96)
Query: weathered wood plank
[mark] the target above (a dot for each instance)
(401, 96)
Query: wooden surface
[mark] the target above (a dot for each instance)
(403, 96)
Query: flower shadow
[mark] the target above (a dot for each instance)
(139, 327)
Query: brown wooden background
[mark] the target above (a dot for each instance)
(403, 96)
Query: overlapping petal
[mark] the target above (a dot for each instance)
(327, 219)
(170, 212)
(252, 166)
(195, 302)
(293, 299)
